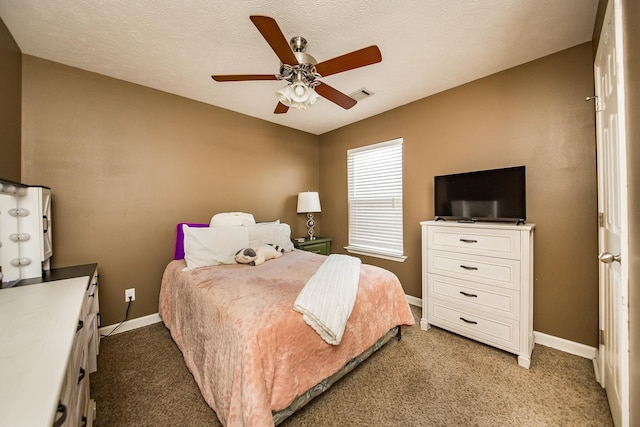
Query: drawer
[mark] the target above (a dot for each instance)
(485, 298)
(317, 248)
(93, 340)
(490, 271)
(70, 389)
(489, 242)
(498, 332)
(91, 295)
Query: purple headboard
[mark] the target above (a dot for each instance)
(178, 252)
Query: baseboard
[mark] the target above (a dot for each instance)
(567, 346)
(596, 367)
(570, 347)
(413, 300)
(129, 325)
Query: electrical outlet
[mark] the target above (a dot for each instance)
(130, 293)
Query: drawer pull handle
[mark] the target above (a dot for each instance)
(469, 295)
(466, 267)
(62, 410)
(468, 241)
(468, 321)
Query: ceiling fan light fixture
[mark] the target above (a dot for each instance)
(297, 94)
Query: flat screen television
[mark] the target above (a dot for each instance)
(488, 195)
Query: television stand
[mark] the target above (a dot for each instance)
(467, 221)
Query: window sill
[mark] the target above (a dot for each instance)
(365, 252)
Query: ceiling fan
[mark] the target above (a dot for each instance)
(301, 70)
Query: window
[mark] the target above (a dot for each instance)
(374, 175)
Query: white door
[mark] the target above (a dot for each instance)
(612, 207)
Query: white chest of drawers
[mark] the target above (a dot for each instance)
(477, 281)
(48, 345)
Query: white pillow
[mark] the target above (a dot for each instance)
(231, 219)
(276, 234)
(212, 246)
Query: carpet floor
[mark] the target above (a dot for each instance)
(429, 378)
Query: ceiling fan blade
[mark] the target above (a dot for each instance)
(335, 96)
(280, 108)
(356, 59)
(242, 77)
(269, 29)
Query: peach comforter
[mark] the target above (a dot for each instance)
(248, 350)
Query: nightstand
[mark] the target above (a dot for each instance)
(319, 245)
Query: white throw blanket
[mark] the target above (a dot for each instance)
(326, 301)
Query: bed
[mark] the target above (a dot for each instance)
(253, 357)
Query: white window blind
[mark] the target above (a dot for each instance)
(374, 176)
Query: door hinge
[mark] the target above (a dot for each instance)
(600, 219)
(601, 336)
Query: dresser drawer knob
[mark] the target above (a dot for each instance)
(468, 321)
(468, 241)
(469, 295)
(466, 267)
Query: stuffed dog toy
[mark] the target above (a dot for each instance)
(257, 256)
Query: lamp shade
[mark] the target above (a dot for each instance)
(308, 201)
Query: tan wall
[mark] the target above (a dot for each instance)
(631, 52)
(126, 163)
(533, 115)
(10, 92)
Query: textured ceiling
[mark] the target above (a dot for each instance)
(176, 45)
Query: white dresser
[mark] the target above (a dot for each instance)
(48, 345)
(477, 281)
